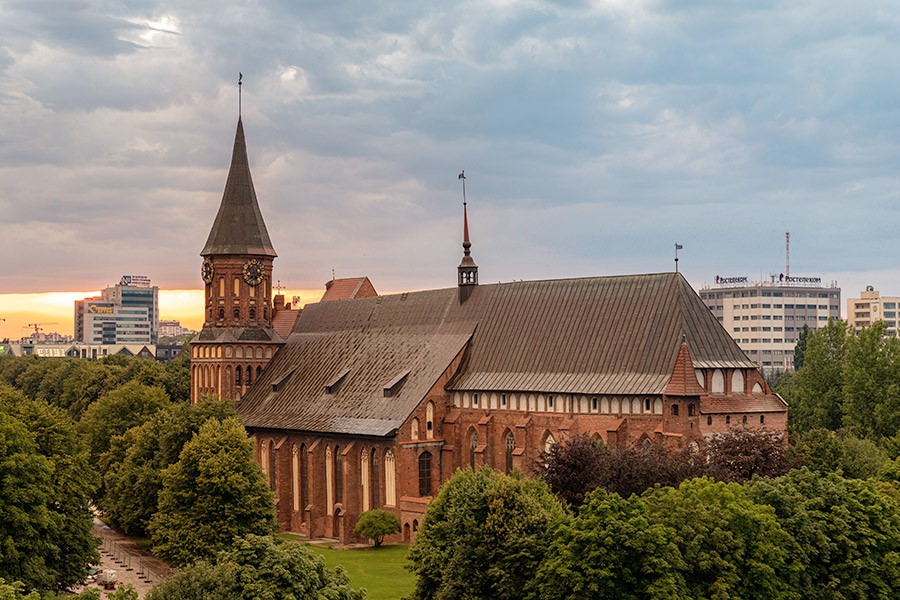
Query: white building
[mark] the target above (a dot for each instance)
(127, 313)
(765, 318)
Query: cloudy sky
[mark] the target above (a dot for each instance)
(594, 136)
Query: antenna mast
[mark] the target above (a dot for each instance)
(787, 255)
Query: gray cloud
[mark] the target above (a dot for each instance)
(595, 135)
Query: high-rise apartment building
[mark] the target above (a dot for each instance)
(127, 313)
(765, 318)
(872, 307)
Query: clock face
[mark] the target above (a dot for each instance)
(206, 271)
(253, 272)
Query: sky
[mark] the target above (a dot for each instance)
(594, 136)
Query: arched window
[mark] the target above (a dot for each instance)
(264, 458)
(429, 420)
(222, 291)
(249, 375)
(510, 445)
(737, 382)
(390, 479)
(376, 483)
(237, 286)
(549, 442)
(258, 372)
(329, 481)
(338, 476)
(425, 474)
(259, 352)
(414, 429)
(237, 376)
(221, 314)
(295, 478)
(252, 314)
(304, 478)
(272, 463)
(364, 478)
(236, 313)
(646, 405)
(473, 443)
(718, 382)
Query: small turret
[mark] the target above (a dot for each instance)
(467, 271)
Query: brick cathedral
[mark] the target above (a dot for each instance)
(365, 401)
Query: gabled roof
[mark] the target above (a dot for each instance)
(239, 227)
(599, 335)
(348, 288)
(284, 320)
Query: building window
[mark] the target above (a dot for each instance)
(221, 314)
(674, 410)
(762, 419)
(304, 478)
(744, 419)
(376, 498)
(249, 375)
(390, 479)
(425, 474)
(237, 376)
(338, 476)
(594, 403)
(473, 443)
(236, 313)
(474, 399)
(237, 286)
(502, 399)
(549, 442)
(510, 446)
(690, 410)
(429, 420)
(646, 404)
(272, 465)
(549, 401)
(221, 287)
(414, 429)
(252, 314)
(709, 420)
(728, 419)
(329, 481)
(364, 479)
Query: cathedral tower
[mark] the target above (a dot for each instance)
(237, 339)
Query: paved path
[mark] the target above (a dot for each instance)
(131, 564)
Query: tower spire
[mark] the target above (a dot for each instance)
(467, 271)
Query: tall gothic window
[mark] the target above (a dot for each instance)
(473, 443)
(390, 479)
(329, 481)
(510, 446)
(364, 479)
(425, 474)
(272, 465)
(376, 483)
(429, 420)
(338, 476)
(304, 478)
(237, 376)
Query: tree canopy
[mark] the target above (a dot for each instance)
(212, 495)
(483, 536)
(258, 568)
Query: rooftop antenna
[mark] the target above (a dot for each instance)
(240, 85)
(787, 256)
(677, 248)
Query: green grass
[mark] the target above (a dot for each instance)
(381, 571)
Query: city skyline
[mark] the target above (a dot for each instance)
(594, 138)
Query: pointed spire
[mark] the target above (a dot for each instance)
(683, 381)
(467, 271)
(239, 227)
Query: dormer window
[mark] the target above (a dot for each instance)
(332, 386)
(394, 385)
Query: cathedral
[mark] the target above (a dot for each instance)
(365, 401)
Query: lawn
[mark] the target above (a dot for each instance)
(381, 571)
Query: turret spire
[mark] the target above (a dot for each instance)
(467, 272)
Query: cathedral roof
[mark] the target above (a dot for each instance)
(599, 335)
(239, 227)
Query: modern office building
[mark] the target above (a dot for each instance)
(765, 318)
(127, 313)
(872, 307)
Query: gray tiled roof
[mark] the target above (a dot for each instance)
(239, 227)
(599, 335)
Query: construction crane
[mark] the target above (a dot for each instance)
(38, 326)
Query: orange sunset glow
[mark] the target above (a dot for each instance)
(54, 311)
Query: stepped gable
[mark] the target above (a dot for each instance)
(599, 335)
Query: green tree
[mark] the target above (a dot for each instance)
(14, 591)
(59, 543)
(731, 546)
(212, 495)
(132, 468)
(872, 383)
(826, 451)
(483, 536)
(611, 549)
(258, 568)
(126, 592)
(375, 524)
(118, 411)
(800, 348)
(816, 391)
(845, 532)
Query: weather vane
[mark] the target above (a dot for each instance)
(240, 84)
(677, 248)
(462, 175)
